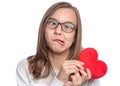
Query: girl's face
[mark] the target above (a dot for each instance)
(60, 30)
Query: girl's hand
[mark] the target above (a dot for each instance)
(69, 67)
(78, 78)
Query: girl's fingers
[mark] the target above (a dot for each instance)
(76, 63)
(76, 79)
(83, 74)
(88, 73)
(80, 77)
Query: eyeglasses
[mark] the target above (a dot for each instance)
(66, 26)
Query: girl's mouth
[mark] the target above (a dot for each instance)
(61, 42)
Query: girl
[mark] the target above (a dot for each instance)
(59, 44)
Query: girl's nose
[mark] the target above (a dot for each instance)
(58, 30)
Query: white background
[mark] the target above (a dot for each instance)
(19, 23)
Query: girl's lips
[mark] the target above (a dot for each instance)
(61, 42)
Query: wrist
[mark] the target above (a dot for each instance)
(62, 78)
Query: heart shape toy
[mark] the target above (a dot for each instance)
(97, 67)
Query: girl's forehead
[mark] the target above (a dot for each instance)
(65, 14)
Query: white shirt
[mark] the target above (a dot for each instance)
(25, 79)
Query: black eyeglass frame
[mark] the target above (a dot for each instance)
(58, 23)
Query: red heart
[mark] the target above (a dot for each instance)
(97, 67)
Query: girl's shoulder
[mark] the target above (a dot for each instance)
(22, 64)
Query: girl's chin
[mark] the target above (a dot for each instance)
(59, 51)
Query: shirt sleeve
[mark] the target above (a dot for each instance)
(95, 82)
(22, 74)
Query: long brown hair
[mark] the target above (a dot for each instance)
(40, 60)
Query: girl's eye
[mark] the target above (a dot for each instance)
(51, 22)
(69, 26)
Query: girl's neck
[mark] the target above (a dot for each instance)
(57, 59)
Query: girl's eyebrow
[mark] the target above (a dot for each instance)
(61, 22)
(53, 18)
